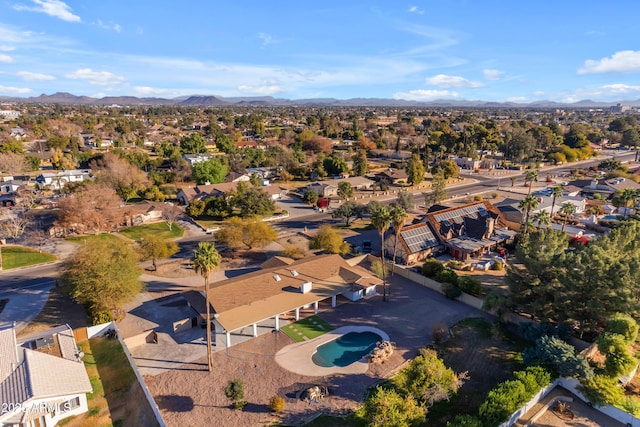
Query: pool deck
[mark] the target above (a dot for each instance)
(297, 357)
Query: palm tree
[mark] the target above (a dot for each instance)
(398, 217)
(380, 220)
(627, 198)
(556, 192)
(206, 260)
(542, 218)
(530, 177)
(527, 205)
(567, 210)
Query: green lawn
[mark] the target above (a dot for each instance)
(84, 239)
(159, 229)
(306, 329)
(18, 256)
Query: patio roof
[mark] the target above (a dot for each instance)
(469, 244)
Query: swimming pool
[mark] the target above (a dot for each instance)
(346, 349)
(610, 218)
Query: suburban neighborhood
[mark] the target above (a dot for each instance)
(204, 265)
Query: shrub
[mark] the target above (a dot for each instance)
(292, 251)
(431, 267)
(559, 356)
(478, 198)
(630, 404)
(276, 404)
(451, 291)
(447, 275)
(497, 265)
(465, 421)
(234, 390)
(624, 325)
(102, 317)
(602, 390)
(470, 285)
(439, 333)
(388, 408)
(494, 195)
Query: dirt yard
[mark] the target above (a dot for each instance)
(253, 362)
(60, 309)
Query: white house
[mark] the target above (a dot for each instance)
(57, 180)
(192, 159)
(42, 377)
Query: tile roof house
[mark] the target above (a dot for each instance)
(57, 180)
(202, 192)
(283, 285)
(394, 176)
(42, 377)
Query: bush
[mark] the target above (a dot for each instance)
(446, 275)
(276, 404)
(439, 333)
(451, 291)
(465, 421)
(630, 404)
(234, 390)
(494, 195)
(497, 265)
(602, 390)
(470, 285)
(102, 317)
(478, 198)
(431, 267)
(388, 408)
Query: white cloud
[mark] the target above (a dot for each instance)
(425, 95)
(6, 59)
(14, 90)
(55, 8)
(415, 9)
(492, 74)
(109, 26)
(625, 61)
(266, 39)
(99, 78)
(5, 48)
(34, 77)
(268, 89)
(447, 82)
(610, 92)
(151, 91)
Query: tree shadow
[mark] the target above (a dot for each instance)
(256, 408)
(175, 403)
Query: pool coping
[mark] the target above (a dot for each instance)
(297, 357)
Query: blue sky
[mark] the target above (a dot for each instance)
(488, 50)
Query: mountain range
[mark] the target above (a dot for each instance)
(265, 101)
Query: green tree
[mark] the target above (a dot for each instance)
(567, 210)
(556, 192)
(541, 218)
(438, 189)
(330, 240)
(448, 168)
(559, 356)
(360, 165)
(345, 190)
(103, 276)
(526, 205)
(624, 325)
(154, 247)
(427, 379)
(206, 260)
(387, 408)
(349, 211)
(235, 390)
(252, 201)
(602, 390)
(212, 171)
(465, 421)
(405, 200)
(398, 218)
(619, 360)
(193, 144)
(415, 170)
(381, 219)
(310, 197)
(529, 178)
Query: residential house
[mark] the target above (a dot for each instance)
(470, 230)
(285, 286)
(18, 133)
(192, 159)
(10, 186)
(324, 189)
(416, 243)
(57, 180)
(237, 177)
(608, 186)
(394, 176)
(42, 377)
(202, 192)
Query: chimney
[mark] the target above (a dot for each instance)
(306, 287)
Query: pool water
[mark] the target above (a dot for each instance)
(610, 218)
(345, 350)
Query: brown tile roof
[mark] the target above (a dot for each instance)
(256, 296)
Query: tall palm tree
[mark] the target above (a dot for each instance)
(567, 210)
(542, 218)
(530, 177)
(526, 205)
(627, 198)
(555, 193)
(380, 220)
(398, 217)
(206, 260)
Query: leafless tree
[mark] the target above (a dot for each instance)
(93, 208)
(37, 237)
(120, 174)
(13, 163)
(170, 213)
(13, 224)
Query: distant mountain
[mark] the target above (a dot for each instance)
(265, 101)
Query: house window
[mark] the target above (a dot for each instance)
(71, 404)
